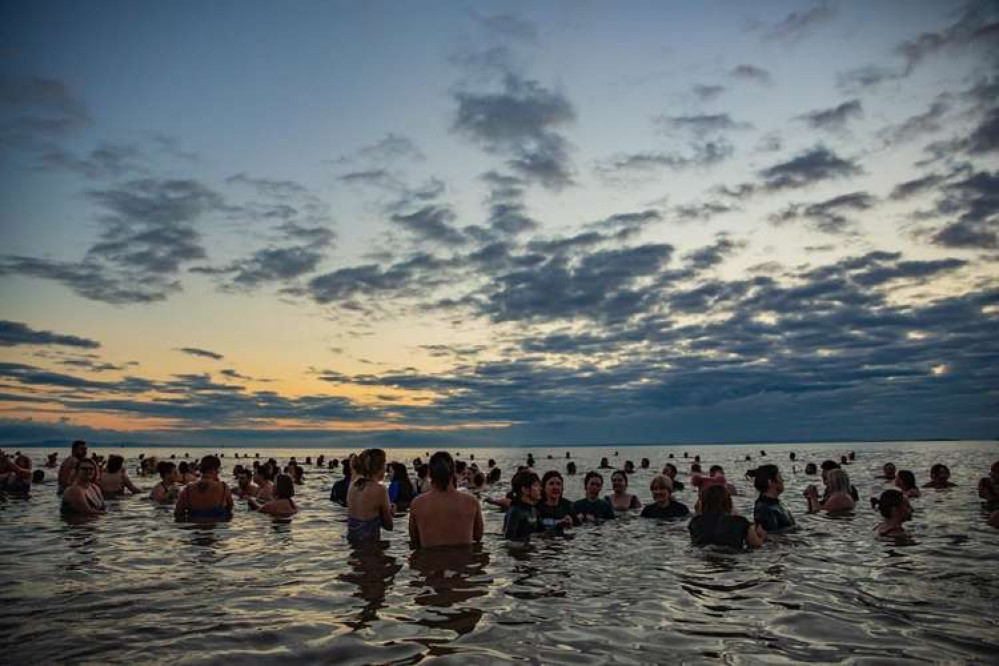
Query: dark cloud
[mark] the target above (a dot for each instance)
(918, 125)
(714, 254)
(90, 364)
(171, 146)
(985, 138)
(977, 26)
(108, 160)
(798, 25)
(507, 211)
(706, 93)
(701, 124)
(510, 27)
(702, 155)
(911, 188)
(432, 224)
(35, 111)
(972, 205)
(751, 73)
(866, 77)
(203, 353)
(812, 166)
(89, 279)
(829, 216)
(701, 212)
(379, 178)
(834, 119)
(268, 187)
(522, 122)
(387, 150)
(412, 276)
(769, 143)
(13, 333)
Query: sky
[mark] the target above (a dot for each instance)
(495, 223)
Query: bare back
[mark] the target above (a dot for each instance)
(445, 518)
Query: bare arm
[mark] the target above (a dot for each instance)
(477, 527)
(755, 536)
(386, 510)
(180, 508)
(414, 530)
(76, 498)
(128, 484)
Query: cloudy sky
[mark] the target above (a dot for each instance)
(510, 223)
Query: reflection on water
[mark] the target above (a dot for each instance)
(136, 586)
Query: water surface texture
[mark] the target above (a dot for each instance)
(136, 587)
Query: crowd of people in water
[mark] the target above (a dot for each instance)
(445, 498)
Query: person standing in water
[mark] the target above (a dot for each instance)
(895, 509)
(114, 480)
(621, 499)
(522, 518)
(67, 471)
(368, 507)
(664, 506)
(207, 499)
(443, 516)
(716, 525)
(591, 507)
(769, 512)
(554, 510)
(83, 497)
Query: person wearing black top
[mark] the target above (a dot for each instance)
(769, 512)
(717, 526)
(522, 517)
(338, 493)
(554, 511)
(670, 471)
(591, 507)
(664, 506)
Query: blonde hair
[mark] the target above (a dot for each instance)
(838, 481)
(661, 481)
(368, 462)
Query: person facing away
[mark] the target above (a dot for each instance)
(905, 481)
(663, 505)
(769, 512)
(554, 511)
(838, 497)
(114, 480)
(338, 493)
(282, 505)
(895, 509)
(716, 525)
(521, 518)
(165, 492)
(443, 516)
(592, 508)
(67, 470)
(368, 507)
(208, 498)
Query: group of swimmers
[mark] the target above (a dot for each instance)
(443, 503)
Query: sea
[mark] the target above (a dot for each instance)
(136, 587)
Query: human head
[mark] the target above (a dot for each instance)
(38, 476)
(442, 473)
(893, 504)
(826, 466)
(460, 466)
(810, 469)
(716, 500)
(905, 480)
(244, 478)
(838, 481)
(210, 465)
(526, 486)
(478, 480)
(115, 463)
(889, 470)
(166, 469)
(593, 482)
(284, 487)
(86, 470)
(370, 464)
(994, 472)
(695, 468)
(79, 449)
(619, 481)
(661, 487)
(940, 473)
(768, 478)
(570, 468)
(670, 470)
(604, 463)
(715, 469)
(552, 485)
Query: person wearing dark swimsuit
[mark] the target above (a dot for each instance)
(207, 499)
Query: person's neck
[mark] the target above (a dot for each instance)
(772, 493)
(664, 503)
(550, 501)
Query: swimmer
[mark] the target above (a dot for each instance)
(621, 499)
(895, 509)
(264, 478)
(769, 512)
(207, 499)
(592, 508)
(494, 476)
(988, 486)
(52, 461)
(67, 470)
(906, 482)
(716, 525)
(939, 477)
(166, 490)
(604, 464)
(570, 468)
(670, 470)
(83, 497)
(338, 493)
(401, 491)
(522, 517)
(115, 479)
(554, 511)
(282, 505)
(888, 472)
(422, 478)
(663, 505)
(368, 505)
(443, 516)
(245, 487)
(839, 499)
(811, 469)
(629, 467)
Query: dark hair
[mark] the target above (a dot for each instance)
(671, 467)
(441, 470)
(422, 471)
(570, 468)
(716, 500)
(591, 475)
(460, 466)
(77, 443)
(764, 475)
(889, 499)
(715, 468)
(810, 468)
(267, 471)
(37, 476)
(907, 478)
(521, 481)
(284, 487)
(491, 463)
(368, 461)
(479, 479)
(165, 468)
(114, 463)
(494, 475)
(552, 474)
(937, 468)
(401, 476)
(829, 464)
(209, 464)
(184, 467)
(622, 473)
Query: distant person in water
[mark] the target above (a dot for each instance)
(629, 467)
(554, 511)
(939, 477)
(988, 486)
(52, 461)
(811, 469)
(895, 510)
(716, 525)
(887, 472)
(338, 493)
(443, 516)
(827, 467)
(621, 499)
(522, 517)
(283, 504)
(401, 490)
(838, 499)
(906, 482)
(591, 508)
(208, 498)
(245, 487)
(114, 481)
(368, 507)
(663, 505)
(570, 468)
(670, 470)
(67, 470)
(165, 492)
(769, 512)
(604, 464)
(83, 497)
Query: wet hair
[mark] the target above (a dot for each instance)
(491, 463)
(838, 481)
(267, 471)
(479, 479)
(937, 468)
(570, 468)
(622, 474)
(494, 475)
(460, 466)
(592, 475)
(829, 464)
(889, 464)
(37, 476)
(764, 475)
(552, 474)
(661, 481)
(368, 462)
(78, 443)
(907, 478)
(715, 468)
(401, 475)
(522, 481)
(810, 468)
(284, 487)
(716, 500)
(889, 500)
(115, 463)
(165, 468)
(442, 470)
(184, 468)
(210, 464)
(671, 467)
(629, 467)
(695, 468)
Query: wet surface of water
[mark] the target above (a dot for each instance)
(134, 586)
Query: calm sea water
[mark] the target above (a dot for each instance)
(136, 587)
